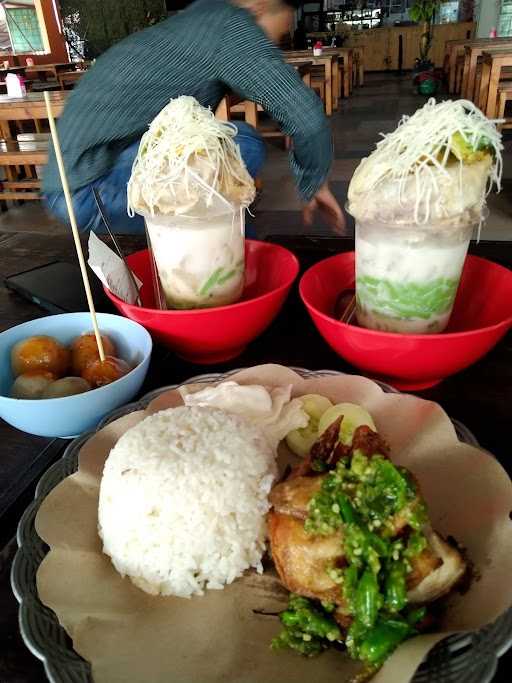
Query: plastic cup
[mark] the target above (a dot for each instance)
(200, 261)
(407, 276)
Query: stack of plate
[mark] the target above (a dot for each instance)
(34, 142)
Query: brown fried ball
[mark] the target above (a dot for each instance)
(84, 350)
(39, 353)
(98, 374)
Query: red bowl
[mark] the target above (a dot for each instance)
(481, 317)
(215, 335)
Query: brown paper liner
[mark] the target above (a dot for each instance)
(129, 636)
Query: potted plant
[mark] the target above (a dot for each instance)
(423, 12)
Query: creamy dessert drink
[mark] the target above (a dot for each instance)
(407, 279)
(199, 265)
(417, 200)
(191, 185)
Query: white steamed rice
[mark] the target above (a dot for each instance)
(183, 500)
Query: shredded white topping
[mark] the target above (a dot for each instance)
(187, 159)
(423, 144)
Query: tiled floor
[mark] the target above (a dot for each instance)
(376, 108)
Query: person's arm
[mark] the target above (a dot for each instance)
(254, 69)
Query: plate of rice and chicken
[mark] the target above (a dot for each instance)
(269, 524)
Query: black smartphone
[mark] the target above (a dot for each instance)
(57, 288)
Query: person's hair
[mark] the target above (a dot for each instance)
(294, 3)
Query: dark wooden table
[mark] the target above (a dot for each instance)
(480, 397)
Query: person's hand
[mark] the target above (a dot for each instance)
(325, 202)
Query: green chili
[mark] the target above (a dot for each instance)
(395, 588)
(367, 599)
(380, 642)
(347, 511)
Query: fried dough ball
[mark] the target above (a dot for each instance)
(32, 384)
(98, 374)
(84, 350)
(67, 386)
(39, 353)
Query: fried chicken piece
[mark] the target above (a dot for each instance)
(291, 497)
(422, 565)
(302, 560)
(444, 577)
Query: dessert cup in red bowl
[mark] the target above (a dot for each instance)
(214, 335)
(481, 316)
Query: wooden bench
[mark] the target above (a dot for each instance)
(494, 65)
(473, 51)
(504, 96)
(459, 75)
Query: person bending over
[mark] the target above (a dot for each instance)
(212, 48)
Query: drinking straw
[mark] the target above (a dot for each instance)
(74, 226)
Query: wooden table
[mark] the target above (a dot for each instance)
(331, 68)
(69, 78)
(346, 54)
(12, 70)
(473, 52)
(480, 396)
(52, 69)
(492, 65)
(31, 107)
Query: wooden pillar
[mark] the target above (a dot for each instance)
(50, 24)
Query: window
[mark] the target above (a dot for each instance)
(505, 22)
(24, 30)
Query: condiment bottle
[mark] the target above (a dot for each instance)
(317, 49)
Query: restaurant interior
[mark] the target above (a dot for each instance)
(366, 86)
(365, 266)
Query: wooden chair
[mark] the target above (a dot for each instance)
(473, 51)
(506, 72)
(318, 85)
(459, 75)
(358, 67)
(22, 182)
(478, 80)
(504, 96)
(250, 112)
(453, 50)
(496, 68)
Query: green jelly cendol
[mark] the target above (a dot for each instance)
(407, 300)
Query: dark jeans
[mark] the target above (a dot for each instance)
(112, 188)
